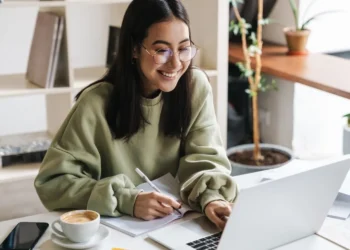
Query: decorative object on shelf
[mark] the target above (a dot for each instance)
(23, 148)
(254, 157)
(113, 44)
(44, 63)
(346, 135)
(298, 36)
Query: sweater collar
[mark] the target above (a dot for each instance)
(151, 101)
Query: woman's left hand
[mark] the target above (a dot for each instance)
(218, 212)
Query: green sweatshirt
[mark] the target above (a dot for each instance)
(85, 168)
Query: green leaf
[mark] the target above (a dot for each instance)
(250, 93)
(235, 29)
(247, 26)
(295, 13)
(264, 21)
(240, 66)
(303, 26)
(252, 37)
(347, 115)
(248, 73)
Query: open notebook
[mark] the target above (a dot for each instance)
(133, 226)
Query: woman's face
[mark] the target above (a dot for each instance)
(174, 35)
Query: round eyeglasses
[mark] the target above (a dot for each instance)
(163, 55)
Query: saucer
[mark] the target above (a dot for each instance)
(101, 235)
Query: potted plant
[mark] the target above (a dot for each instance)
(258, 156)
(297, 36)
(346, 135)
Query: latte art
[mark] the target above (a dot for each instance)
(79, 217)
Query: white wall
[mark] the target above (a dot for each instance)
(276, 112)
(317, 124)
(16, 32)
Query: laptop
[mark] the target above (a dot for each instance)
(265, 216)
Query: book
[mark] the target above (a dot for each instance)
(113, 44)
(56, 52)
(60, 70)
(47, 52)
(134, 226)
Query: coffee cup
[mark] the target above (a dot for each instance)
(78, 225)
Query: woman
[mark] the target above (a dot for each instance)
(152, 111)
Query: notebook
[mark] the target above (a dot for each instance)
(134, 226)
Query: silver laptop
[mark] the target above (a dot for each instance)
(265, 216)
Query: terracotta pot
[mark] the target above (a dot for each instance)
(296, 41)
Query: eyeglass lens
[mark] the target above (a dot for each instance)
(185, 54)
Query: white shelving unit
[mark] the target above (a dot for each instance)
(86, 36)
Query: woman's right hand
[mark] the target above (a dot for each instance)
(152, 205)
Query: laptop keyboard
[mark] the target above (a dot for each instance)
(207, 243)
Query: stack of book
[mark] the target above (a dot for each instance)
(47, 64)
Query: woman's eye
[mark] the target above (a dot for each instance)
(162, 51)
(185, 49)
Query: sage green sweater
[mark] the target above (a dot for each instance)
(85, 168)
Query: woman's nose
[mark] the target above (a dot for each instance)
(175, 60)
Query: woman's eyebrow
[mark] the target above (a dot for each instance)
(167, 43)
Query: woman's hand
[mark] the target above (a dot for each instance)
(152, 205)
(217, 212)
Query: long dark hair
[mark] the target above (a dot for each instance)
(124, 114)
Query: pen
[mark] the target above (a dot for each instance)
(143, 176)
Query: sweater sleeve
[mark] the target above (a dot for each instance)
(204, 170)
(70, 174)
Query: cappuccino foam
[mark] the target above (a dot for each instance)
(79, 217)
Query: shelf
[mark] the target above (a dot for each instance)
(10, 3)
(18, 172)
(85, 76)
(312, 70)
(98, 1)
(29, 3)
(16, 84)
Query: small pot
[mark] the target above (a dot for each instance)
(346, 139)
(239, 169)
(296, 41)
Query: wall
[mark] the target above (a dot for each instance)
(317, 116)
(15, 40)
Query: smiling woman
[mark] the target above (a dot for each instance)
(151, 110)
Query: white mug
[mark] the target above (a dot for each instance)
(78, 225)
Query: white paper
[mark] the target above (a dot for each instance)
(338, 233)
(341, 207)
(134, 226)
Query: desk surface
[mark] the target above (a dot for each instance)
(118, 239)
(324, 72)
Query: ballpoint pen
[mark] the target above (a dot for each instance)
(145, 178)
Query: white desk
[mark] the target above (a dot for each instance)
(117, 239)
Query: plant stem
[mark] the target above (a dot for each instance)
(244, 44)
(253, 82)
(256, 129)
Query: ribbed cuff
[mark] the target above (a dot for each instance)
(126, 200)
(208, 196)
